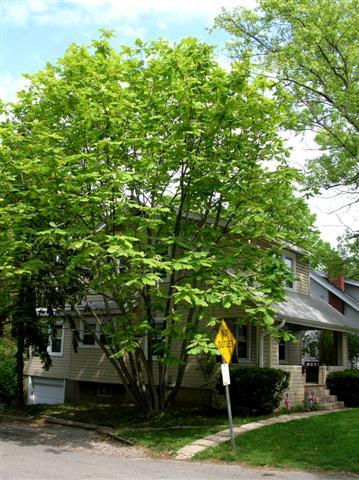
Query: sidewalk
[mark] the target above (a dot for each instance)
(187, 452)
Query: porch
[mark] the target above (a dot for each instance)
(320, 347)
(307, 363)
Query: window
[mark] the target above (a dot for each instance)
(289, 261)
(88, 333)
(242, 333)
(104, 390)
(56, 340)
(282, 351)
(242, 348)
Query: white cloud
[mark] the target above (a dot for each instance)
(224, 61)
(9, 86)
(332, 207)
(334, 216)
(104, 12)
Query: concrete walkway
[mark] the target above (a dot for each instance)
(191, 449)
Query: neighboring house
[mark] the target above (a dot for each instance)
(341, 293)
(88, 375)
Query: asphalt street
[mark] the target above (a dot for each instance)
(29, 453)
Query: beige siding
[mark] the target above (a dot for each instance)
(194, 376)
(60, 364)
(302, 275)
(91, 364)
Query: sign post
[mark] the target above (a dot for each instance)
(226, 342)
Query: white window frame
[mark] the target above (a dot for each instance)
(49, 348)
(82, 331)
(292, 257)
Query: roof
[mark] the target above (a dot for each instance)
(351, 281)
(320, 278)
(293, 248)
(312, 312)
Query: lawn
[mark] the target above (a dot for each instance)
(165, 433)
(328, 442)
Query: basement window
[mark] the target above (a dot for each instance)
(104, 390)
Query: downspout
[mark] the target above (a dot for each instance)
(261, 342)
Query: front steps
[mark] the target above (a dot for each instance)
(326, 401)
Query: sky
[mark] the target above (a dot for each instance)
(33, 32)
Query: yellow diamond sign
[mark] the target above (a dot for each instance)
(225, 342)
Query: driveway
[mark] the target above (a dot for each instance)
(29, 452)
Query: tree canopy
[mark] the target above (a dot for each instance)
(310, 50)
(151, 177)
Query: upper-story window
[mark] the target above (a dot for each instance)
(56, 340)
(290, 262)
(88, 333)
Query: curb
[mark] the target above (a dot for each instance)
(14, 418)
(88, 426)
(68, 423)
(190, 450)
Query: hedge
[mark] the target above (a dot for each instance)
(256, 390)
(7, 370)
(345, 385)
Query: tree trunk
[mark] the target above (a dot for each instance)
(20, 341)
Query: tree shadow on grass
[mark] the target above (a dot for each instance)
(56, 437)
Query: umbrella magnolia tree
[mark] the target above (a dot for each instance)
(154, 178)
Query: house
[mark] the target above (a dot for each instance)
(341, 293)
(89, 376)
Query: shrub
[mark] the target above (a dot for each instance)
(345, 385)
(256, 390)
(7, 370)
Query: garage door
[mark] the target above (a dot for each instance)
(46, 390)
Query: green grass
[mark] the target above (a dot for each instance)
(328, 442)
(159, 433)
(166, 441)
(172, 430)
